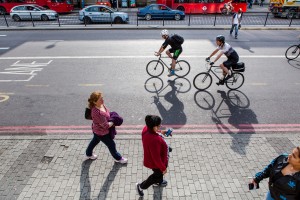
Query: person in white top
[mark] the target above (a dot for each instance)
(236, 22)
(229, 52)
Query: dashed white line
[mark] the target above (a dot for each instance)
(4, 48)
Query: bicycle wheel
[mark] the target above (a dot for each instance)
(183, 85)
(238, 99)
(153, 84)
(182, 68)
(236, 81)
(202, 81)
(155, 68)
(292, 52)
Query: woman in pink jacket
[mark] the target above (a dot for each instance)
(100, 127)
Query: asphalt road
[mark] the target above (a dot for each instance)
(46, 78)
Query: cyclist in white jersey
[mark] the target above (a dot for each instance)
(229, 52)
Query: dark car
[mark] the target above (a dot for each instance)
(160, 11)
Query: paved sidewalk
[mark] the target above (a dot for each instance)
(202, 166)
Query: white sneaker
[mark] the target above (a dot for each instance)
(93, 157)
(122, 160)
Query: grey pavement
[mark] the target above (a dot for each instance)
(202, 166)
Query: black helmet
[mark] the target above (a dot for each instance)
(220, 38)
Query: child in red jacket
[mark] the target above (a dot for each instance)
(155, 154)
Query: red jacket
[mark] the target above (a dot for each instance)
(155, 150)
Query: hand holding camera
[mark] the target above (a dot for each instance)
(169, 132)
(253, 184)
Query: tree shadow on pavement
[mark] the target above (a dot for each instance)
(85, 185)
(109, 180)
(294, 63)
(157, 193)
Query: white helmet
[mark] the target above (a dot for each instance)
(164, 32)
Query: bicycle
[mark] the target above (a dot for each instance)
(156, 67)
(292, 52)
(203, 80)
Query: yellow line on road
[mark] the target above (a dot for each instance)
(90, 84)
(258, 84)
(37, 85)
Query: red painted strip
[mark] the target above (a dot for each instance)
(141, 126)
(179, 131)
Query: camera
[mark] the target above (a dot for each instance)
(251, 186)
(169, 132)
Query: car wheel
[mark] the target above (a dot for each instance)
(118, 20)
(148, 17)
(16, 18)
(177, 17)
(44, 18)
(87, 20)
(2, 10)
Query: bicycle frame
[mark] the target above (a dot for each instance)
(164, 64)
(214, 73)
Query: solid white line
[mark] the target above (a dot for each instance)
(121, 57)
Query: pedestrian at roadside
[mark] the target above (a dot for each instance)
(261, 3)
(284, 177)
(236, 22)
(100, 116)
(155, 154)
(250, 2)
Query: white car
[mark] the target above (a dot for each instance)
(101, 13)
(23, 12)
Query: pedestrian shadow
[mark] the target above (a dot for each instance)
(294, 63)
(176, 108)
(109, 180)
(157, 193)
(85, 185)
(237, 113)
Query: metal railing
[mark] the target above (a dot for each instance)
(248, 19)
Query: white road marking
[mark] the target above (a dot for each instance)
(122, 57)
(3, 35)
(4, 48)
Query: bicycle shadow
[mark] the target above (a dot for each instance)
(171, 108)
(294, 63)
(237, 113)
(109, 180)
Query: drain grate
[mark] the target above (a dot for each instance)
(46, 159)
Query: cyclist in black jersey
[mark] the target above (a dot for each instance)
(176, 49)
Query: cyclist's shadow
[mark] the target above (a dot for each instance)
(294, 63)
(240, 117)
(173, 115)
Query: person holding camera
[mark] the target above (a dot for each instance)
(284, 177)
(155, 154)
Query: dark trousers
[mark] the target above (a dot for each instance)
(156, 177)
(108, 141)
